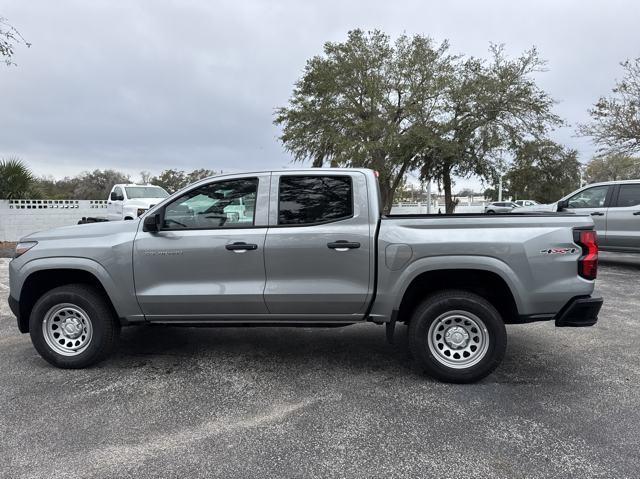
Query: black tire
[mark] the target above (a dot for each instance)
(491, 212)
(104, 326)
(457, 304)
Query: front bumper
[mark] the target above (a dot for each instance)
(579, 311)
(14, 306)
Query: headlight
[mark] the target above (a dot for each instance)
(141, 211)
(22, 248)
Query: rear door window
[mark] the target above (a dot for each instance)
(629, 195)
(309, 200)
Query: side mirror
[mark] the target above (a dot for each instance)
(113, 196)
(151, 223)
(563, 205)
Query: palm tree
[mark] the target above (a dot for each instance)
(16, 179)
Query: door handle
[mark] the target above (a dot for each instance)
(637, 213)
(342, 245)
(241, 247)
(597, 213)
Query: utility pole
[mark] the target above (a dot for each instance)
(429, 197)
(500, 184)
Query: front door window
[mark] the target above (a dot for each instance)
(589, 198)
(223, 204)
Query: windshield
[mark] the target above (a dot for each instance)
(145, 192)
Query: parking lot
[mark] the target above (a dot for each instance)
(196, 402)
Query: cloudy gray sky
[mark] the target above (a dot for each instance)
(149, 85)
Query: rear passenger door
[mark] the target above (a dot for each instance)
(623, 223)
(318, 248)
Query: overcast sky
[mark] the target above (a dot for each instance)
(149, 85)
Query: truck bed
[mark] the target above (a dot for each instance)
(534, 253)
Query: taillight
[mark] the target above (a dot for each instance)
(588, 261)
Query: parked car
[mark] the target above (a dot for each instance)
(310, 248)
(500, 207)
(614, 207)
(523, 203)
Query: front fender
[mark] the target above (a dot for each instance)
(122, 297)
(130, 211)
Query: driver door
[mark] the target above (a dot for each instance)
(593, 201)
(206, 262)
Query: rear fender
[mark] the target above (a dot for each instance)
(396, 286)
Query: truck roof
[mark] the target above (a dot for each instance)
(616, 182)
(128, 185)
(292, 171)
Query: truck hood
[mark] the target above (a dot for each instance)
(542, 208)
(90, 230)
(145, 203)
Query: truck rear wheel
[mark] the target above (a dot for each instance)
(457, 336)
(72, 326)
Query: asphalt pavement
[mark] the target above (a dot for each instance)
(285, 402)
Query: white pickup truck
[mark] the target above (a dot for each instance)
(128, 201)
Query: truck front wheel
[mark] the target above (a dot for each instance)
(457, 336)
(72, 326)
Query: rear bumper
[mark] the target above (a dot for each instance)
(579, 311)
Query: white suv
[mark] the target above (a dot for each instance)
(500, 207)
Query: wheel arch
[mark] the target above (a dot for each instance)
(40, 279)
(484, 282)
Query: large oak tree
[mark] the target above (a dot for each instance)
(367, 102)
(491, 107)
(410, 104)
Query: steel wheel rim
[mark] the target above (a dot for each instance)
(458, 339)
(67, 329)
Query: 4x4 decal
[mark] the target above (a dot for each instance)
(559, 251)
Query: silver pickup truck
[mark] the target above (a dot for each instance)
(306, 248)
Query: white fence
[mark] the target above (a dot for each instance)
(19, 218)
